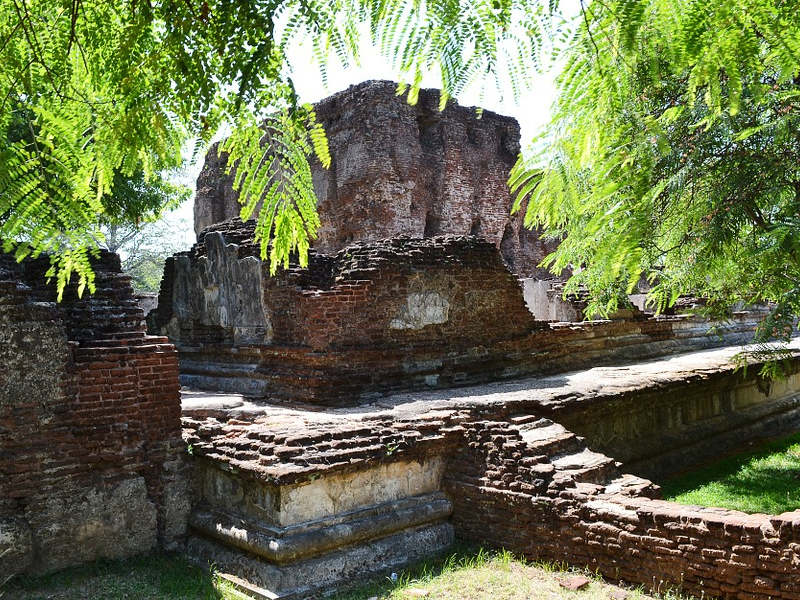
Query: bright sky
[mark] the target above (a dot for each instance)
(532, 110)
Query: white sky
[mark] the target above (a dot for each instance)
(532, 110)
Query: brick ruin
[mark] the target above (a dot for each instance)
(369, 318)
(401, 170)
(347, 419)
(461, 413)
(547, 455)
(294, 500)
(91, 455)
(374, 317)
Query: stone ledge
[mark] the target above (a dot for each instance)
(283, 545)
(339, 567)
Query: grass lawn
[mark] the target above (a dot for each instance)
(145, 577)
(465, 575)
(481, 575)
(764, 480)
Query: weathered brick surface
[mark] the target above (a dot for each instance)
(396, 314)
(591, 516)
(90, 441)
(402, 170)
(287, 451)
(525, 484)
(111, 311)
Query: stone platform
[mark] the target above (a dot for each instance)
(295, 498)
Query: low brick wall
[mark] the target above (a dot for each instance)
(594, 517)
(91, 455)
(701, 551)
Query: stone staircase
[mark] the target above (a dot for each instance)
(573, 462)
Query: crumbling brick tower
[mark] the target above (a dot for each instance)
(403, 170)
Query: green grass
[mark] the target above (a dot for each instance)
(145, 577)
(466, 574)
(470, 574)
(766, 480)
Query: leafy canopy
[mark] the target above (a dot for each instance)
(143, 248)
(95, 92)
(674, 154)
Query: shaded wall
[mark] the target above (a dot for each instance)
(658, 432)
(90, 442)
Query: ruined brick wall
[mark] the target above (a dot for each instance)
(404, 293)
(529, 498)
(111, 311)
(90, 442)
(389, 315)
(402, 170)
(379, 316)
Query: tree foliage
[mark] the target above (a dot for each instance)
(136, 225)
(674, 154)
(143, 248)
(93, 92)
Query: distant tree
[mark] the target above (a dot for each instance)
(134, 226)
(143, 249)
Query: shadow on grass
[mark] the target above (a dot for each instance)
(158, 576)
(766, 480)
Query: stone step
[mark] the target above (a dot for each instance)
(587, 466)
(545, 437)
(310, 558)
(631, 485)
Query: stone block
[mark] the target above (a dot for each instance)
(16, 546)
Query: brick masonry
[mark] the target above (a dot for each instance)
(588, 515)
(381, 316)
(91, 455)
(515, 478)
(403, 170)
(518, 478)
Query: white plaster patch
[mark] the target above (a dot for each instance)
(421, 309)
(336, 494)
